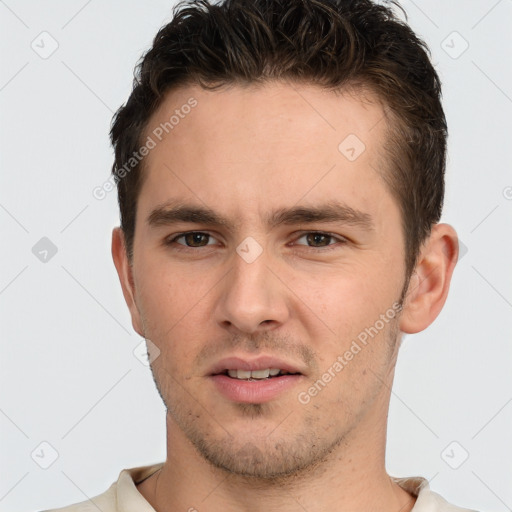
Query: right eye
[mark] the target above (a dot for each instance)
(191, 240)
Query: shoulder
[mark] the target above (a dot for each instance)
(426, 499)
(441, 505)
(121, 495)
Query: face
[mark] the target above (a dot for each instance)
(266, 239)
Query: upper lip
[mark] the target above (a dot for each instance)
(252, 364)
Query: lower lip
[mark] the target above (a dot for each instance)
(256, 391)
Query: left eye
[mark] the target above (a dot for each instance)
(318, 240)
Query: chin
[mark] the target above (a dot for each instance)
(257, 447)
(264, 459)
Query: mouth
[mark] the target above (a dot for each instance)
(262, 367)
(257, 380)
(256, 375)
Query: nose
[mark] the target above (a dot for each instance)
(252, 297)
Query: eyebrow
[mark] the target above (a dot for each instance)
(173, 212)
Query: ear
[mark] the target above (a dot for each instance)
(125, 273)
(430, 281)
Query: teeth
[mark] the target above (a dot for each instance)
(260, 374)
(255, 374)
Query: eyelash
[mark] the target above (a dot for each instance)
(330, 247)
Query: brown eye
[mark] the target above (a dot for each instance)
(196, 239)
(193, 239)
(317, 240)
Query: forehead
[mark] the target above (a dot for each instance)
(252, 148)
(281, 112)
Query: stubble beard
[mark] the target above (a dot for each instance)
(271, 459)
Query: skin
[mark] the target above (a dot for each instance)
(244, 152)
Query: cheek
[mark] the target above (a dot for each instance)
(169, 288)
(171, 303)
(344, 300)
(355, 346)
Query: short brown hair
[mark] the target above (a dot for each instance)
(334, 44)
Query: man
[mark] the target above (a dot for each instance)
(280, 171)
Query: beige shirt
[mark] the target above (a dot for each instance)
(123, 496)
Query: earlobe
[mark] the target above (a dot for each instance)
(125, 273)
(430, 282)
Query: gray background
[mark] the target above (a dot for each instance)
(69, 376)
